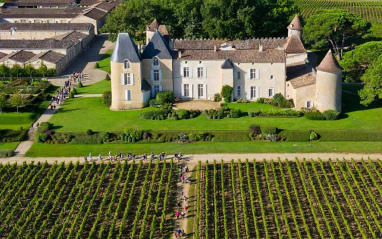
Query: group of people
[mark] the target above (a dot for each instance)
(77, 76)
(181, 212)
(183, 177)
(179, 233)
(61, 95)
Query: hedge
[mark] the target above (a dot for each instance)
(155, 114)
(274, 113)
(296, 135)
(8, 135)
(268, 130)
(315, 116)
(230, 136)
(349, 135)
(4, 153)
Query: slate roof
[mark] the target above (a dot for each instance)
(106, 6)
(300, 75)
(20, 56)
(96, 14)
(145, 86)
(125, 48)
(294, 45)
(72, 36)
(69, 12)
(329, 64)
(208, 44)
(52, 56)
(295, 23)
(158, 46)
(89, 2)
(45, 3)
(227, 64)
(47, 26)
(2, 54)
(266, 56)
(35, 44)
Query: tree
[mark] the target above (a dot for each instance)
(43, 69)
(4, 70)
(17, 101)
(29, 70)
(227, 93)
(373, 82)
(357, 61)
(16, 70)
(335, 28)
(3, 101)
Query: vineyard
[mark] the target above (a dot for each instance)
(107, 200)
(368, 9)
(302, 199)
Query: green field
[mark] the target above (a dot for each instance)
(11, 146)
(96, 88)
(69, 150)
(104, 64)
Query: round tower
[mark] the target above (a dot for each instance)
(328, 84)
(295, 27)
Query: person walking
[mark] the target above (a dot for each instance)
(177, 214)
(186, 169)
(110, 155)
(90, 156)
(185, 208)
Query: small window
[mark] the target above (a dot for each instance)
(128, 95)
(253, 92)
(155, 61)
(253, 74)
(127, 79)
(185, 62)
(309, 104)
(200, 72)
(186, 90)
(156, 89)
(271, 77)
(238, 93)
(271, 92)
(238, 75)
(200, 90)
(156, 75)
(186, 72)
(200, 62)
(126, 64)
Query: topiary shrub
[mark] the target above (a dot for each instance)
(296, 135)
(74, 91)
(268, 130)
(164, 97)
(44, 126)
(71, 95)
(217, 97)
(315, 116)
(331, 114)
(106, 98)
(313, 136)
(154, 114)
(79, 85)
(278, 98)
(5, 153)
(227, 93)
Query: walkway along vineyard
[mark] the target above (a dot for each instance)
(103, 200)
(291, 199)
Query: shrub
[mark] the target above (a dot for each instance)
(268, 130)
(217, 97)
(86, 139)
(74, 91)
(274, 113)
(235, 113)
(182, 114)
(230, 136)
(44, 126)
(227, 93)
(331, 114)
(107, 77)
(153, 103)
(222, 113)
(278, 99)
(313, 136)
(79, 85)
(315, 116)
(40, 137)
(154, 114)
(71, 95)
(96, 65)
(255, 129)
(242, 101)
(296, 135)
(286, 104)
(8, 135)
(4, 153)
(349, 135)
(164, 97)
(106, 98)
(89, 132)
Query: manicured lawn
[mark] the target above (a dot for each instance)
(104, 64)
(81, 114)
(68, 150)
(11, 146)
(96, 88)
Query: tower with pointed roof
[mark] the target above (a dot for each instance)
(328, 84)
(295, 27)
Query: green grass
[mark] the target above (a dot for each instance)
(11, 146)
(104, 64)
(68, 150)
(96, 88)
(81, 114)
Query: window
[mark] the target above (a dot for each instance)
(128, 95)
(253, 74)
(156, 75)
(126, 64)
(200, 72)
(186, 90)
(127, 79)
(238, 91)
(253, 92)
(186, 72)
(155, 61)
(238, 75)
(200, 90)
(309, 104)
(271, 92)
(156, 89)
(271, 77)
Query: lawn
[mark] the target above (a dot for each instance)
(96, 88)
(11, 146)
(104, 64)
(81, 114)
(69, 150)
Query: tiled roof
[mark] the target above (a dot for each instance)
(2, 54)
(329, 64)
(153, 26)
(47, 26)
(52, 56)
(208, 44)
(300, 75)
(295, 24)
(35, 44)
(21, 56)
(294, 45)
(158, 46)
(266, 56)
(96, 14)
(89, 2)
(45, 3)
(125, 49)
(39, 13)
(73, 36)
(106, 6)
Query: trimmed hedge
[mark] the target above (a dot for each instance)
(349, 135)
(296, 135)
(5, 153)
(230, 136)
(8, 135)
(331, 114)
(274, 113)
(154, 114)
(222, 113)
(268, 130)
(315, 116)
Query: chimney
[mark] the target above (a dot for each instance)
(260, 48)
(179, 54)
(214, 48)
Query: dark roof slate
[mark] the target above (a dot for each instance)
(158, 46)
(125, 48)
(47, 26)
(227, 64)
(96, 14)
(145, 86)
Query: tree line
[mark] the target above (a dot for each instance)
(232, 19)
(27, 71)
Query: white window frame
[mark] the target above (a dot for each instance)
(252, 73)
(238, 91)
(155, 60)
(253, 92)
(273, 92)
(126, 65)
(186, 71)
(156, 75)
(127, 95)
(200, 91)
(238, 75)
(127, 79)
(186, 90)
(309, 104)
(200, 72)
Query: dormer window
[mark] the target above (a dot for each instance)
(126, 64)
(155, 61)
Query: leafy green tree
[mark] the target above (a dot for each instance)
(4, 70)
(3, 101)
(29, 70)
(17, 101)
(227, 93)
(16, 70)
(373, 82)
(336, 28)
(43, 69)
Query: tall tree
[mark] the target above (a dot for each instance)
(29, 70)
(336, 28)
(16, 70)
(3, 101)
(17, 101)
(4, 70)
(43, 69)
(373, 82)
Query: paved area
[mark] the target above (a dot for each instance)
(197, 105)
(88, 95)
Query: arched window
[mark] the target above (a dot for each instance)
(126, 64)
(155, 61)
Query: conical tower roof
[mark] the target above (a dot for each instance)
(158, 46)
(294, 45)
(295, 23)
(227, 64)
(153, 26)
(329, 64)
(125, 49)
